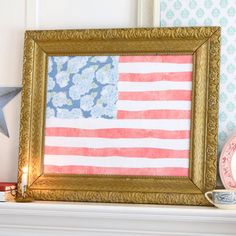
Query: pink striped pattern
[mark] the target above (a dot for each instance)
(123, 152)
(90, 170)
(117, 133)
(163, 149)
(155, 58)
(154, 114)
(174, 95)
(152, 77)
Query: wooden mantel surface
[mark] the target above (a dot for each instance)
(65, 219)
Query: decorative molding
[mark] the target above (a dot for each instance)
(148, 13)
(31, 14)
(42, 219)
(156, 13)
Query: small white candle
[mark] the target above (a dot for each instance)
(24, 179)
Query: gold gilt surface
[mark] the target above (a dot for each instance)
(201, 42)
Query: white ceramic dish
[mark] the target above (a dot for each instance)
(226, 207)
(222, 198)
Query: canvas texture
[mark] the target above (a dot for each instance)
(118, 115)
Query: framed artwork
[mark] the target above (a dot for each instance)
(120, 115)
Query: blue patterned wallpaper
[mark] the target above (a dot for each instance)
(208, 13)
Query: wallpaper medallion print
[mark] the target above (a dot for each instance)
(212, 13)
(118, 115)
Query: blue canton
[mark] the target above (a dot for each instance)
(82, 87)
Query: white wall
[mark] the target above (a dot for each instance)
(18, 15)
(12, 25)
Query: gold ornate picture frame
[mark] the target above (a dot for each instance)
(41, 48)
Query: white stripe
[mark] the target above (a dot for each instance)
(150, 67)
(121, 162)
(89, 123)
(172, 144)
(153, 105)
(153, 86)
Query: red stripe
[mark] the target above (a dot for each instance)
(158, 58)
(117, 133)
(154, 114)
(90, 170)
(179, 95)
(152, 77)
(123, 152)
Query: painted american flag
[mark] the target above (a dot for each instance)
(130, 117)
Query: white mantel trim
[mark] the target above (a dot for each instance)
(148, 13)
(113, 219)
(31, 14)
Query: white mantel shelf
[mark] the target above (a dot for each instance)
(88, 219)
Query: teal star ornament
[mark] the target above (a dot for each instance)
(6, 95)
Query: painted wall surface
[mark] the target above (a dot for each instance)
(18, 15)
(212, 13)
(12, 25)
